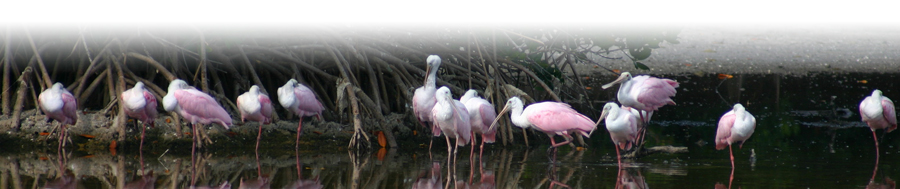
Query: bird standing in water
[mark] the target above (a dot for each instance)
(644, 93)
(140, 104)
(481, 114)
(300, 100)
(59, 104)
(878, 112)
(735, 127)
(452, 118)
(255, 106)
(424, 99)
(552, 118)
(622, 126)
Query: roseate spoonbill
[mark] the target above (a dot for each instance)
(878, 112)
(552, 118)
(644, 93)
(481, 114)
(59, 104)
(622, 126)
(452, 118)
(255, 106)
(141, 105)
(423, 98)
(300, 100)
(195, 106)
(735, 126)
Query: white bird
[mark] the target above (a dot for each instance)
(255, 106)
(622, 126)
(735, 127)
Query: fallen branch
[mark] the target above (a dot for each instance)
(641, 152)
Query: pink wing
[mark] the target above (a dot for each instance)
(558, 117)
(889, 113)
(724, 130)
(308, 101)
(150, 107)
(266, 108)
(655, 92)
(202, 106)
(487, 117)
(69, 107)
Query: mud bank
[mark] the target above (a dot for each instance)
(95, 132)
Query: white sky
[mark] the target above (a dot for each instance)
(448, 12)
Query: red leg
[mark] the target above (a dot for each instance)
(732, 156)
(258, 135)
(877, 154)
(619, 156)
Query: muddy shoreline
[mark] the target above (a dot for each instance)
(93, 133)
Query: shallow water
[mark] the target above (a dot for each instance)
(805, 138)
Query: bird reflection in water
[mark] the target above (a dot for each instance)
(147, 181)
(630, 178)
(429, 179)
(887, 183)
(66, 178)
(300, 182)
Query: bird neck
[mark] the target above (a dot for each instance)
(517, 118)
(431, 80)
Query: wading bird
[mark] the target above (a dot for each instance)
(195, 106)
(622, 126)
(452, 118)
(552, 118)
(59, 104)
(255, 106)
(300, 100)
(644, 93)
(481, 114)
(423, 98)
(141, 105)
(878, 112)
(735, 127)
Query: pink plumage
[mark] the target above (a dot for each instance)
(59, 104)
(300, 100)
(559, 118)
(878, 112)
(255, 106)
(452, 117)
(736, 126)
(553, 118)
(140, 103)
(194, 105)
(481, 115)
(644, 92)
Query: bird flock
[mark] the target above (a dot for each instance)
(435, 108)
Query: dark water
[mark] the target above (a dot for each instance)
(808, 135)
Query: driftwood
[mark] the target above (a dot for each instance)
(641, 152)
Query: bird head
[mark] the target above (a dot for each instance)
(254, 89)
(622, 78)
(139, 85)
(177, 84)
(469, 95)
(57, 86)
(443, 94)
(876, 93)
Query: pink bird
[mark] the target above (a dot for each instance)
(195, 106)
(481, 115)
(141, 105)
(452, 118)
(735, 126)
(59, 104)
(255, 106)
(423, 98)
(644, 93)
(622, 125)
(552, 118)
(878, 112)
(300, 100)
